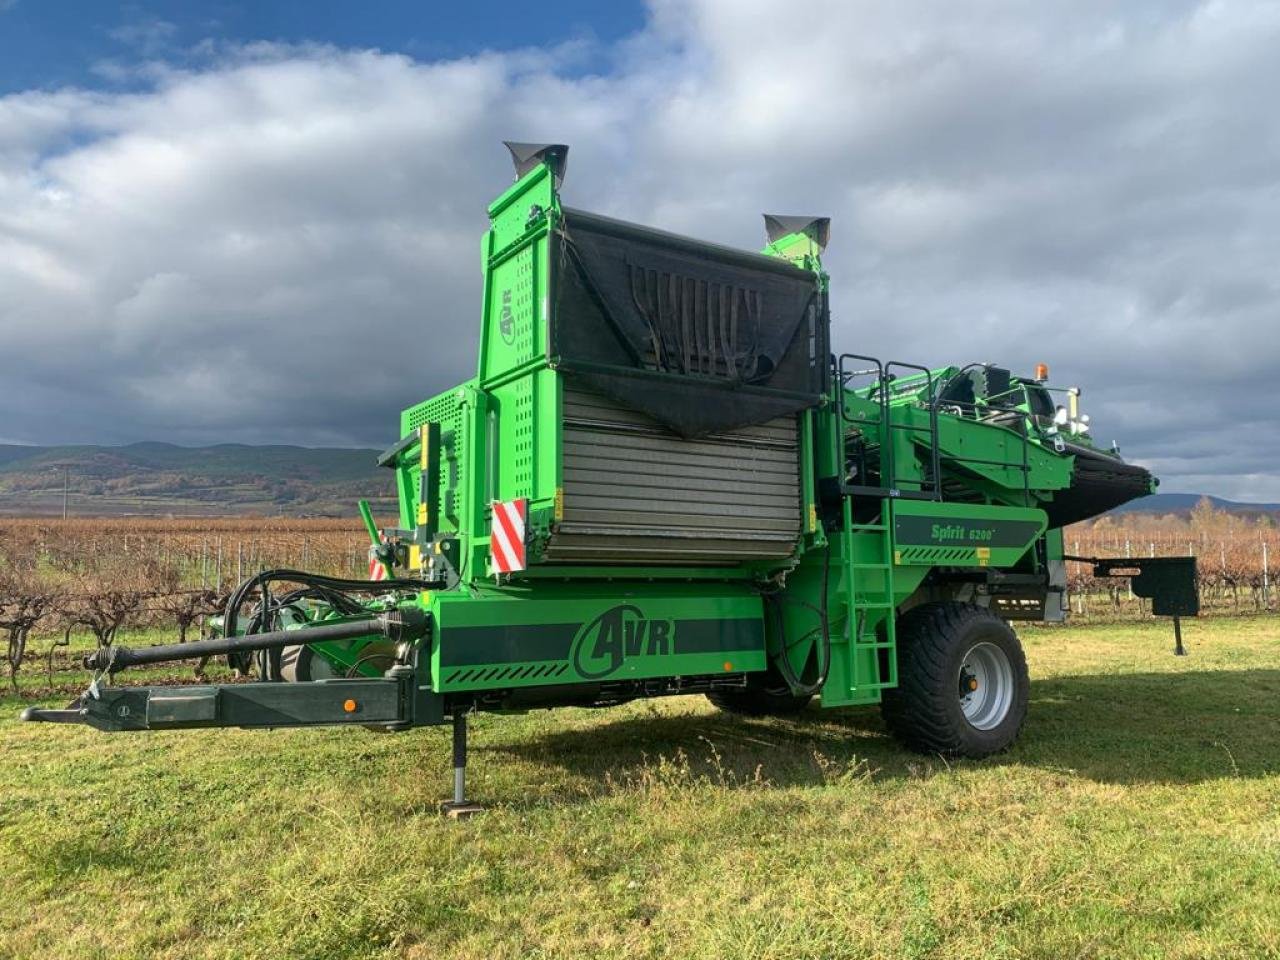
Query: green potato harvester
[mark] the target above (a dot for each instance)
(663, 480)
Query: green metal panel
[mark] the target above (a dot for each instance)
(462, 414)
(514, 314)
(521, 445)
(525, 415)
(996, 453)
(557, 633)
(929, 534)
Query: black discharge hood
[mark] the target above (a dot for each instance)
(1101, 482)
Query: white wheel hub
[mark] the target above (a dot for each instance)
(985, 685)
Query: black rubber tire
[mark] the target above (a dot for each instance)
(924, 710)
(295, 664)
(758, 702)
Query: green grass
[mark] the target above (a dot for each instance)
(1138, 816)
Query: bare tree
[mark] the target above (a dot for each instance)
(24, 603)
(183, 607)
(105, 612)
(186, 607)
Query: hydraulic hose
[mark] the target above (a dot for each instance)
(403, 624)
(796, 685)
(236, 600)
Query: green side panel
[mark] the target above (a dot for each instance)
(1053, 546)
(460, 508)
(995, 453)
(525, 415)
(522, 439)
(513, 326)
(928, 533)
(563, 633)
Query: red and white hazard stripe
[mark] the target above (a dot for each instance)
(506, 540)
(376, 570)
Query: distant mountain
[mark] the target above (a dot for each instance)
(162, 478)
(232, 478)
(1183, 502)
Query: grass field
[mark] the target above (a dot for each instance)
(1138, 816)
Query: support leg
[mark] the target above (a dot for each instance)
(459, 808)
(1178, 649)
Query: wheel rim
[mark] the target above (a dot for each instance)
(985, 685)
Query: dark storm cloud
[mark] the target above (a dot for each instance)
(283, 245)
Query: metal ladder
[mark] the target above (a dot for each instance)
(866, 613)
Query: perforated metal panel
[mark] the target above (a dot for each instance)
(634, 492)
(446, 410)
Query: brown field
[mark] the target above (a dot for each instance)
(206, 551)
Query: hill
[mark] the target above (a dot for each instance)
(230, 478)
(162, 478)
(1183, 502)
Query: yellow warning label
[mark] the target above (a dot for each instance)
(415, 557)
(984, 555)
(559, 504)
(813, 518)
(897, 557)
(424, 455)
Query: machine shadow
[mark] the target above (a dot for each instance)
(1156, 728)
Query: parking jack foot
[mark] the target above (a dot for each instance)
(460, 808)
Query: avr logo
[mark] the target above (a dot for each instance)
(507, 320)
(620, 632)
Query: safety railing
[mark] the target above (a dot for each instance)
(882, 392)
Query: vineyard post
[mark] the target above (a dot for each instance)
(217, 570)
(1080, 602)
(239, 561)
(1222, 553)
(1266, 578)
(1151, 552)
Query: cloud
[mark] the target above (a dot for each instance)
(148, 36)
(274, 243)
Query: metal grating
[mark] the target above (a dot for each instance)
(522, 391)
(522, 304)
(634, 492)
(446, 410)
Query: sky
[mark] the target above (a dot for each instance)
(234, 222)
